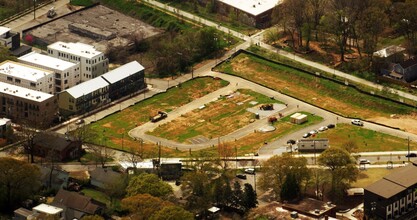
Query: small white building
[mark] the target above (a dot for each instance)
(298, 118)
(66, 74)
(313, 145)
(93, 63)
(44, 211)
(26, 76)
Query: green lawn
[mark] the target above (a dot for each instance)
(112, 130)
(366, 140)
(97, 195)
(321, 92)
(369, 176)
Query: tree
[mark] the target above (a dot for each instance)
(143, 206)
(225, 151)
(148, 183)
(5, 54)
(172, 213)
(290, 188)
(237, 196)
(18, 181)
(249, 197)
(342, 168)
(277, 168)
(116, 188)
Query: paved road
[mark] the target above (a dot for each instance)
(27, 21)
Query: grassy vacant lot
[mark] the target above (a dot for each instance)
(366, 140)
(369, 176)
(217, 119)
(111, 130)
(320, 92)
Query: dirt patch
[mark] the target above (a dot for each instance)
(215, 120)
(403, 122)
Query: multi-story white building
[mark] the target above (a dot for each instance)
(27, 76)
(93, 63)
(66, 74)
(9, 39)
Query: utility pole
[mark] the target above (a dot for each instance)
(34, 9)
(408, 149)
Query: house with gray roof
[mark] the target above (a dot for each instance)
(102, 177)
(394, 196)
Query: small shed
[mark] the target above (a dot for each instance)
(298, 118)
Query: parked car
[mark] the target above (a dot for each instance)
(79, 121)
(306, 135)
(241, 176)
(364, 161)
(313, 132)
(411, 155)
(291, 141)
(323, 128)
(250, 171)
(357, 122)
(331, 126)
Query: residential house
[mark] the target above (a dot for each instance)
(394, 196)
(24, 105)
(406, 70)
(57, 146)
(56, 180)
(256, 13)
(93, 63)
(75, 205)
(66, 74)
(40, 212)
(103, 177)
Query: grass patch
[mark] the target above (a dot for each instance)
(97, 195)
(112, 130)
(321, 92)
(217, 119)
(366, 140)
(369, 176)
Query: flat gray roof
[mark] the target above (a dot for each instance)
(25, 93)
(87, 87)
(46, 61)
(123, 72)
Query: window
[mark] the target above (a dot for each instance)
(32, 84)
(10, 78)
(70, 107)
(65, 81)
(57, 75)
(17, 80)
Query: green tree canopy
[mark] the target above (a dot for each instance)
(172, 213)
(148, 183)
(342, 168)
(143, 206)
(18, 181)
(277, 168)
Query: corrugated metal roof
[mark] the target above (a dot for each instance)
(122, 72)
(87, 87)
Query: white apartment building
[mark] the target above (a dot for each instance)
(66, 74)
(26, 76)
(93, 63)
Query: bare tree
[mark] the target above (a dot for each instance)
(101, 154)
